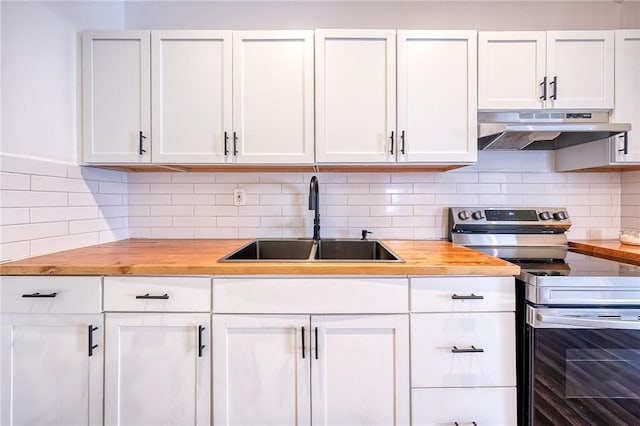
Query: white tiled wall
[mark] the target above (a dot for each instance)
(47, 207)
(630, 208)
(392, 205)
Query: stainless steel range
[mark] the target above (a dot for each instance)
(577, 317)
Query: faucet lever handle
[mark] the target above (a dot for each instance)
(364, 234)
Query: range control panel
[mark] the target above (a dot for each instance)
(496, 216)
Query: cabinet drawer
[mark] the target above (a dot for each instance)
(459, 349)
(462, 294)
(310, 295)
(157, 294)
(50, 295)
(484, 406)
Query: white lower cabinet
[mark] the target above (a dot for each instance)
(51, 355)
(350, 367)
(464, 406)
(463, 351)
(157, 369)
(157, 351)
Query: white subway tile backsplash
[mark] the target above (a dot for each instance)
(15, 181)
(33, 231)
(171, 188)
(33, 199)
(73, 206)
(51, 214)
(49, 183)
(13, 216)
(168, 210)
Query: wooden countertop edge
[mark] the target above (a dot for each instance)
(608, 249)
(199, 257)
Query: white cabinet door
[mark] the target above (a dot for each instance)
(355, 96)
(191, 92)
(261, 374)
(360, 370)
(116, 101)
(437, 96)
(580, 69)
(627, 105)
(48, 375)
(511, 69)
(156, 370)
(273, 97)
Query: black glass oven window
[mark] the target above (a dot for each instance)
(584, 377)
(511, 215)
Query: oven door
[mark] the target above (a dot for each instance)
(584, 366)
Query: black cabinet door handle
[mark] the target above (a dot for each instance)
(472, 349)
(235, 144)
(466, 297)
(140, 149)
(391, 150)
(91, 345)
(303, 349)
(226, 138)
(37, 294)
(544, 89)
(625, 139)
(554, 95)
(316, 330)
(402, 146)
(200, 345)
(148, 296)
(473, 423)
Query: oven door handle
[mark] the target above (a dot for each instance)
(589, 322)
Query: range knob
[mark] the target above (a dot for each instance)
(545, 216)
(463, 215)
(560, 215)
(477, 215)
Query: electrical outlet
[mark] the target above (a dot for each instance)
(239, 197)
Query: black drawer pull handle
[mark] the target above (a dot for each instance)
(147, 296)
(91, 345)
(544, 89)
(200, 345)
(469, 297)
(458, 424)
(391, 150)
(625, 140)
(316, 330)
(226, 139)
(472, 349)
(36, 294)
(554, 96)
(303, 350)
(140, 149)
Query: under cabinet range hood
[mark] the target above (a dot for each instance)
(544, 130)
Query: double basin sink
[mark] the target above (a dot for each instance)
(302, 250)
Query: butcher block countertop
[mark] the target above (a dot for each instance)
(609, 249)
(200, 257)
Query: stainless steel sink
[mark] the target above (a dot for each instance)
(283, 250)
(355, 251)
(272, 250)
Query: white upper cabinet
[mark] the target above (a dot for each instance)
(580, 69)
(553, 69)
(357, 88)
(273, 97)
(437, 96)
(191, 85)
(355, 96)
(511, 70)
(218, 97)
(627, 108)
(116, 103)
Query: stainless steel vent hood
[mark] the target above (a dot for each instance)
(543, 130)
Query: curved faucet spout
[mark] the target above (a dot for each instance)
(314, 204)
